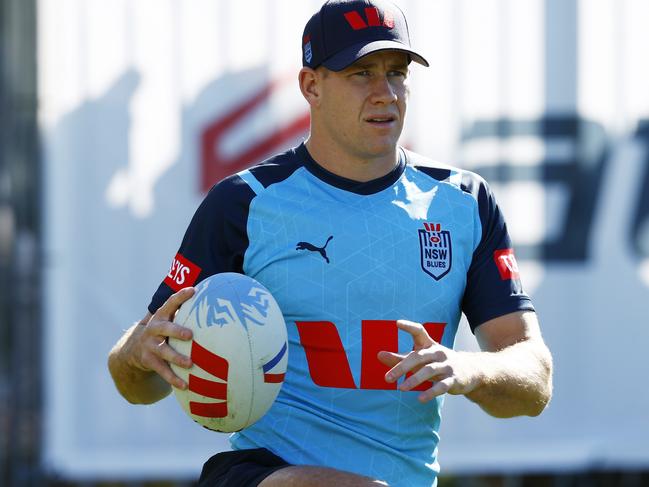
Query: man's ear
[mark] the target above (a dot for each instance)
(310, 85)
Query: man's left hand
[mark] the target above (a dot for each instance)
(448, 370)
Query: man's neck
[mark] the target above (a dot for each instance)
(350, 167)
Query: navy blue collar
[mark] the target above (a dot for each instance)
(359, 187)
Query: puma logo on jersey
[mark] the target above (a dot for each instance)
(312, 248)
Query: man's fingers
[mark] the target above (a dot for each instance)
(168, 329)
(428, 372)
(156, 354)
(168, 354)
(393, 360)
(419, 334)
(412, 362)
(171, 305)
(403, 365)
(440, 387)
(158, 359)
(163, 370)
(389, 358)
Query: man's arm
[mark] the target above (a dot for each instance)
(139, 361)
(511, 376)
(514, 369)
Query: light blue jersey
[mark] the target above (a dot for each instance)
(345, 260)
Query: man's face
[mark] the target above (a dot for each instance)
(363, 107)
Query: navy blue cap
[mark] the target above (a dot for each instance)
(343, 31)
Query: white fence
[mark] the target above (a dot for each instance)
(546, 99)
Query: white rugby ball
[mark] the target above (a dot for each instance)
(239, 352)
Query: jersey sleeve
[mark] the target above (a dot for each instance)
(493, 282)
(215, 240)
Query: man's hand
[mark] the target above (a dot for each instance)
(139, 361)
(152, 350)
(511, 376)
(429, 361)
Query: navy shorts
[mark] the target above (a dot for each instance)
(240, 468)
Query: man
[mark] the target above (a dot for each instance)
(354, 235)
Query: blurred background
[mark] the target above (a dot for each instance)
(116, 116)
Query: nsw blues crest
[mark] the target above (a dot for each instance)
(435, 250)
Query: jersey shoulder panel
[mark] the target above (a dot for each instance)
(479, 189)
(273, 170)
(468, 181)
(435, 169)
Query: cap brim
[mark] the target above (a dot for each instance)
(346, 57)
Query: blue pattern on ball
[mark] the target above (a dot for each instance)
(230, 298)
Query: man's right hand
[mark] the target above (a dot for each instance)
(139, 361)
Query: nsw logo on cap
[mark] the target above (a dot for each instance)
(308, 53)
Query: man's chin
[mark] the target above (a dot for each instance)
(387, 148)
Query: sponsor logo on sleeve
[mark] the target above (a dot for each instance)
(183, 273)
(506, 263)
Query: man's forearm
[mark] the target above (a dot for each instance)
(514, 381)
(136, 385)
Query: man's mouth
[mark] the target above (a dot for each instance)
(383, 119)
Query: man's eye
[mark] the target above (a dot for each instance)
(403, 74)
(362, 73)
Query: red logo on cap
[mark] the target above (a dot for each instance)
(506, 263)
(356, 22)
(183, 273)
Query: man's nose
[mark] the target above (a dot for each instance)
(383, 91)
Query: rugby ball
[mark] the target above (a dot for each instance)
(239, 352)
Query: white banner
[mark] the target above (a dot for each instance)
(144, 104)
